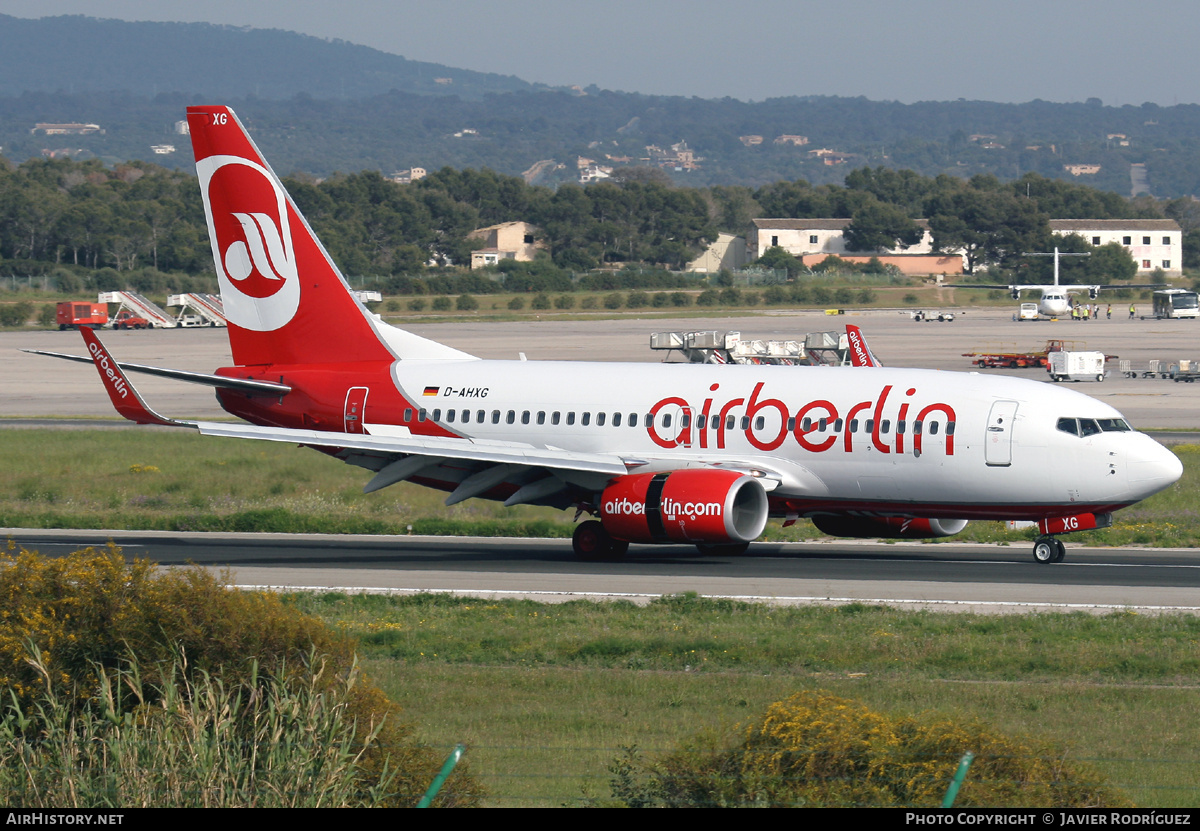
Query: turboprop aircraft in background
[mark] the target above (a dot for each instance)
(1054, 299)
(655, 453)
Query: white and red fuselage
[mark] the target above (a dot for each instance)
(657, 452)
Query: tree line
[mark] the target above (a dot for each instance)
(83, 218)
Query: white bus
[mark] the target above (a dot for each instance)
(1176, 303)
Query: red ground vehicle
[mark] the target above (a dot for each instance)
(128, 320)
(72, 314)
(1001, 356)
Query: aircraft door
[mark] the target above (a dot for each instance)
(356, 403)
(998, 442)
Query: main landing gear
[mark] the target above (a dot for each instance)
(591, 542)
(1049, 550)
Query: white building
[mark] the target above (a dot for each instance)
(1153, 243)
(800, 237)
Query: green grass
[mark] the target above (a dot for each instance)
(546, 695)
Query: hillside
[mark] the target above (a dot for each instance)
(83, 54)
(321, 107)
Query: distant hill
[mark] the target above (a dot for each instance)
(321, 107)
(82, 54)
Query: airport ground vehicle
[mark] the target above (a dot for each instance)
(1076, 366)
(73, 314)
(657, 453)
(1008, 355)
(1174, 304)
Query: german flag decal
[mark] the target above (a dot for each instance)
(431, 391)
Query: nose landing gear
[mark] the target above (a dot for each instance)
(1049, 550)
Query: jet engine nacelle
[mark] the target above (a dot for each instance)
(696, 506)
(888, 527)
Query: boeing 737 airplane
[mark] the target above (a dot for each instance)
(654, 453)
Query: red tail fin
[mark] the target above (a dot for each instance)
(860, 353)
(286, 301)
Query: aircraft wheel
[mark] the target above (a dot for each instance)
(591, 542)
(1045, 550)
(730, 549)
(1060, 550)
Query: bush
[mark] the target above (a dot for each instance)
(614, 301)
(442, 304)
(90, 616)
(708, 297)
(47, 315)
(516, 304)
(466, 303)
(564, 301)
(637, 300)
(541, 301)
(731, 297)
(589, 302)
(417, 305)
(818, 750)
(680, 299)
(15, 314)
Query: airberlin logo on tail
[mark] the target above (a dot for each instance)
(250, 230)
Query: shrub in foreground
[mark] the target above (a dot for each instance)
(815, 749)
(91, 615)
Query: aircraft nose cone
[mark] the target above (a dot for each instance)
(1153, 469)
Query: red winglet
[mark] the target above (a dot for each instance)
(124, 397)
(860, 353)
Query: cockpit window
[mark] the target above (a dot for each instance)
(1092, 426)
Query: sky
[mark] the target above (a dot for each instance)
(918, 50)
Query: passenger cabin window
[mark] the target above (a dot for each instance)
(421, 414)
(541, 418)
(600, 419)
(511, 417)
(495, 416)
(437, 415)
(616, 419)
(525, 417)
(408, 415)
(570, 418)
(480, 416)
(554, 417)
(450, 414)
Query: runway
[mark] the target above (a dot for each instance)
(943, 576)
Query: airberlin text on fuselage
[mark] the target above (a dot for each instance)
(118, 383)
(698, 428)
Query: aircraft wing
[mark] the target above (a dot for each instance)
(430, 446)
(242, 384)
